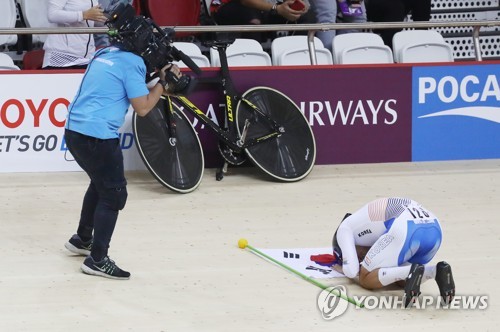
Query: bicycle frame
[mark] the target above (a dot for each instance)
(171, 149)
(228, 133)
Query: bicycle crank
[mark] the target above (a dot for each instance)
(232, 157)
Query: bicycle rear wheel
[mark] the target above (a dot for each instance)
(289, 157)
(177, 164)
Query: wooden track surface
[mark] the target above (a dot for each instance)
(189, 275)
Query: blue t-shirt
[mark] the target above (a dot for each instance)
(102, 101)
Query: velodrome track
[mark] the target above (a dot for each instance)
(189, 275)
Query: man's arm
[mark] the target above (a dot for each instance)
(142, 105)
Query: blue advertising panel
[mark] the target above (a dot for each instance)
(456, 112)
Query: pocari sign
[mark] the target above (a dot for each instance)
(456, 112)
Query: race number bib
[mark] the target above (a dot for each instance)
(419, 215)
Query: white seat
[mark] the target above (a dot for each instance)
(194, 52)
(421, 46)
(8, 16)
(359, 48)
(35, 15)
(6, 62)
(294, 50)
(242, 52)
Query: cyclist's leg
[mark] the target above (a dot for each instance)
(381, 266)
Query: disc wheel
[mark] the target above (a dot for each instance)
(178, 163)
(289, 157)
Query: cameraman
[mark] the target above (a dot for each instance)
(114, 80)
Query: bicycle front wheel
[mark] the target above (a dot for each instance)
(178, 163)
(289, 157)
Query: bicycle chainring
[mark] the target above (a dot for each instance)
(232, 157)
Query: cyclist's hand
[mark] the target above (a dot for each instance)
(338, 268)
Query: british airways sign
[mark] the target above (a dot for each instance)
(456, 112)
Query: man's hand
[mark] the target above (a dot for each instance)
(170, 74)
(290, 14)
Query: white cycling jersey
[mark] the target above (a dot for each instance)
(397, 230)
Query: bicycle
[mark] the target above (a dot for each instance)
(266, 127)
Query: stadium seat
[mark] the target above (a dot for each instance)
(421, 46)
(359, 48)
(35, 16)
(6, 62)
(8, 16)
(194, 52)
(294, 50)
(33, 59)
(174, 13)
(243, 52)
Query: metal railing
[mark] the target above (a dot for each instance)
(310, 28)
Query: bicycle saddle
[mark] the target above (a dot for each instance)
(219, 43)
(220, 40)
